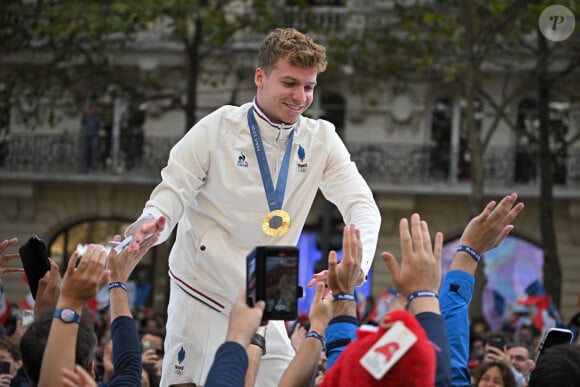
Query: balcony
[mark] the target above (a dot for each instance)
(387, 167)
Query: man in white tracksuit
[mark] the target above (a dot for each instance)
(216, 188)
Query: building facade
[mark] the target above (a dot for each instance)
(409, 145)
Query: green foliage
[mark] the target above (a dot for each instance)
(76, 47)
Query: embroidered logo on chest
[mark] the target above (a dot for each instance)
(242, 162)
(301, 167)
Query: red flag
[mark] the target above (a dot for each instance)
(542, 303)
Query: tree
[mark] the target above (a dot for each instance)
(77, 48)
(459, 44)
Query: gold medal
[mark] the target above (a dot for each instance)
(276, 223)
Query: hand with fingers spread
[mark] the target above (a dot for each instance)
(492, 225)
(420, 268)
(5, 258)
(144, 229)
(483, 233)
(48, 289)
(80, 283)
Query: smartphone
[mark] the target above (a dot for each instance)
(147, 345)
(555, 336)
(34, 257)
(272, 276)
(4, 367)
(496, 340)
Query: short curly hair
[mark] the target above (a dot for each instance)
(297, 48)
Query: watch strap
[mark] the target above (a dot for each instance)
(67, 315)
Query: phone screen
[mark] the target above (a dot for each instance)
(4, 367)
(555, 336)
(251, 280)
(496, 340)
(281, 285)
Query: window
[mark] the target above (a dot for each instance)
(450, 158)
(527, 140)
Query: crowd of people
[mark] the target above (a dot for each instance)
(65, 342)
(218, 190)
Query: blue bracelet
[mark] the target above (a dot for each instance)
(121, 285)
(420, 293)
(466, 249)
(344, 297)
(318, 336)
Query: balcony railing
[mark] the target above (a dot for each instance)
(396, 164)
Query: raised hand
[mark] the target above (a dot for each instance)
(321, 310)
(48, 289)
(344, 276)
(489, 229)
(4, 258)
(122, 265)
(420, 267)
(81, 283)
(244, 320)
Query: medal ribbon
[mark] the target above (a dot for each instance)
(275, 196)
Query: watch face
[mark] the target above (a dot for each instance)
(67, 315)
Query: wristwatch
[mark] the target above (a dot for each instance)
(67, 315)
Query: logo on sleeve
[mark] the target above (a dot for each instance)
(179, 367)
(301, 167)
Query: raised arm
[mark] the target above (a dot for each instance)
(482, 233)
(80, 283)
(418, 278)
(126, 348)
(5, 258)
(231, 360)
(301, 369)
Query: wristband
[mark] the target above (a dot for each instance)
(260, 341)
(474, 254)
(420, 293)
(344, 297)
(114, 285)
(318, 336)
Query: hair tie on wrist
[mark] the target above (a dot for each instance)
(121, 285)
(466, 249)
(344, 297)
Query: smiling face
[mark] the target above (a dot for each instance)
(286, 92)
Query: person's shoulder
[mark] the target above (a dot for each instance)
(318, 125)
(227, 114)
(232, 111)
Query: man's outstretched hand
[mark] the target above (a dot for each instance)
(144, 229)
